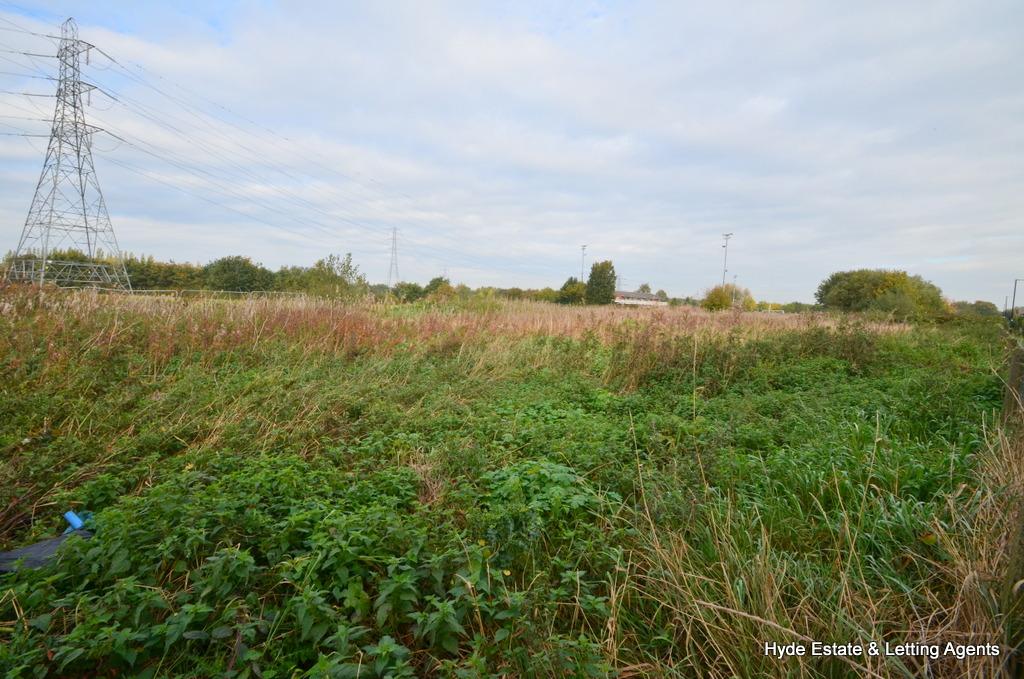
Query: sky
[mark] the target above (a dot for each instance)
(497, 138)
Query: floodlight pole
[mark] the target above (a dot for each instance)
(725, 258)
(1013, 303)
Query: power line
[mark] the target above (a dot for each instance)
(442, 256)
(44, 120)
(27, 75)
(242, 162)
(28, 54)
(248, 169)
(26, 94)
(132, 168)
(291, 143)
(21, 29)
(191, 109)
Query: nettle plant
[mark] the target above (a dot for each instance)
(256, 566)
(538, 503)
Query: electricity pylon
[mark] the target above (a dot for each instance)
(393, 268)
(68, 216)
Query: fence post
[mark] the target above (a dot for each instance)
(1013, 394)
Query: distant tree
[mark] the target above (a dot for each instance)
(644, 287)
(684, 301)
(442, 293)
(333, 276)
(546, 295)
(435, 283)
(788, 307)
(896, 301)
(238, 274)
(986, 308)
(380, 290)
(798, 307)
(573, 291)
(976, 309)
(439, 289)
(409, 292)
(662, 295)
(336, 276)
(728, 296)
(601, 284)
(894, 292)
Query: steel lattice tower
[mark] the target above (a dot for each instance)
(393, 268)
(68, 216)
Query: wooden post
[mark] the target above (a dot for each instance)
(1013, 395)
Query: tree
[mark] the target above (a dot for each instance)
(573, 291)
(601, 284)
(409, 292)
(546, 295)
(442, 291)
(662, 295)
(976, 309)
(380, 290)
(436, 283)
(337, 276)
(894, 292)
(332, 276)
(237, 273)
(728, 296)
(644, 287)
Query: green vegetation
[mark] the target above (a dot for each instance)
(573, 291)
(894, 292)
(728, 296)
(237, 274)
(601, 284)
(306, 489)
(978, 309)
(333, 276)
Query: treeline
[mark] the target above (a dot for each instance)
(333, 276)
(895, 294)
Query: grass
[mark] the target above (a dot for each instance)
(290, 488)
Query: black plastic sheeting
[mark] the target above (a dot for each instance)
(36, 555)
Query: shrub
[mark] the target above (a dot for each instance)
(895, 292)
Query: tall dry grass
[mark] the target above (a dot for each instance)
(723, 614)
(328, 326)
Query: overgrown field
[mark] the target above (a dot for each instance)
(295, 488)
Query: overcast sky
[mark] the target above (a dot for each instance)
(500, 137)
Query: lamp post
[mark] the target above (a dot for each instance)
(725, 258)
(1013, 303)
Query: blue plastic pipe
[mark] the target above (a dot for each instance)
(73, 519)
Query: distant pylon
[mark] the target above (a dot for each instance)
(393, 268)
(68, 214)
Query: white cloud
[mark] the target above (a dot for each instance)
(499, 138)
